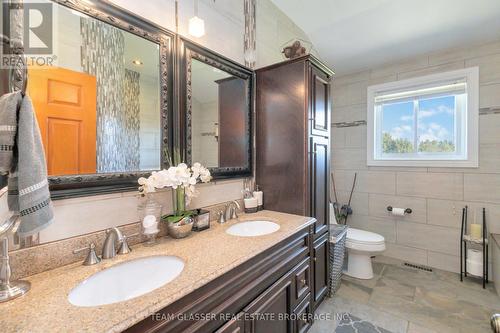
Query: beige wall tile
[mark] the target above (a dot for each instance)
(492, 217)
(489, 96)
(427, 237)
(382, 79)
(489, 68)
(412, 64)
(338, 137)
(489, 125)
(355, 137)
(376, 182)
(351, 78)
(466, 52)
(405, 253)
(496, 265)
(430, 185)
(445, 213)
(448, 213)
(445, 262)
(489, 161)
(348, 113)
(89, 216)
(342, 179)
(384, 227)
(340, 95)
(221, 191)
(378, 207)
(349, 158)
(359, 201)
(482, 187)
(431, 70)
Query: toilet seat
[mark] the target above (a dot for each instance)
(364, 240)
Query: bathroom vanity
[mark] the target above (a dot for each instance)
(226, 281)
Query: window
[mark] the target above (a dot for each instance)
(429, 121)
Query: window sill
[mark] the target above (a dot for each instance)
(425, 163)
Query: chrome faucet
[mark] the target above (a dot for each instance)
(232, 210)
(109, 248)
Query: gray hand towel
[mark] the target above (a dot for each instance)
(22, 157)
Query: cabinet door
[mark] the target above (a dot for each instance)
(303, 315)
(267, 312)
(320, 269)
(319, 103)
(320, 167)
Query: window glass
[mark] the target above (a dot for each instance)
(398, 128)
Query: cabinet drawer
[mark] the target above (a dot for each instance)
(302, 279)
(235, 325)
(303, 315)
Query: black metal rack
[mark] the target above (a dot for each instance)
(466, 239)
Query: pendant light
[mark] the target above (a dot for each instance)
(196, 24)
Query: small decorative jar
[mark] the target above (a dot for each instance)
(150, 212)
(201, 220)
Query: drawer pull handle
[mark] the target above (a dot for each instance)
(303, 281)
(315, 259)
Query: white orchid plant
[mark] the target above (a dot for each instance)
(182, 180)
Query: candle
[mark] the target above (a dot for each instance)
(476, 231)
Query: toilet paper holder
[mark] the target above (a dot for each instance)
(407, 210)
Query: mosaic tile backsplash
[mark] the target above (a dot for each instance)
(118, 123)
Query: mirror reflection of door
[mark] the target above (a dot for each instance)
(218, 113)
(98, 106)
(65, 104)
(232, 112)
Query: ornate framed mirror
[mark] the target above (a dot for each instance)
(104, 102)
(216, 109)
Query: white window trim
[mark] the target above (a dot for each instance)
(472, 77)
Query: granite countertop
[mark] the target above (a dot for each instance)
(207, 255)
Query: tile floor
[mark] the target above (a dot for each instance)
(401, 299)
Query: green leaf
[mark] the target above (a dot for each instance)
(177, 218)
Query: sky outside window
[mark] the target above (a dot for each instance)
(436, 126)
(398, 128)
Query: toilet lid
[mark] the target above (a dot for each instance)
(362, 236)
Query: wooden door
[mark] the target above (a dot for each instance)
(319, 103)
(320, 269)
(265, 311)
(320, 166)
(232, 122)
(65, 106)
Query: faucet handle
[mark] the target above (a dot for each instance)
(222, 217)
(92, 257)
(124, 247)
(234, 213)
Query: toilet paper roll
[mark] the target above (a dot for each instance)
(398, 211)
(474, 268)
(475, 256)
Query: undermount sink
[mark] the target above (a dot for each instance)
(253, 228)
(126, 280)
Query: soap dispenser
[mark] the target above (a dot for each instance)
(259, 195)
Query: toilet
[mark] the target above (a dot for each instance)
(361, 245)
